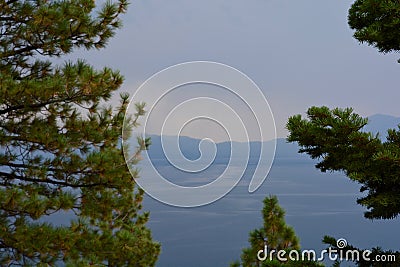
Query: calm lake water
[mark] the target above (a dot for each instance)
(316, 204)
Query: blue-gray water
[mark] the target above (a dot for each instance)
(316, 204)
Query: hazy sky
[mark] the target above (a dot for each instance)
(300, 53)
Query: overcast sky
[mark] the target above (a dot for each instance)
(300, 53)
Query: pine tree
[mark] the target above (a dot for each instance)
(337, 139)
(61, 151)
(376, 23)
(276, 234)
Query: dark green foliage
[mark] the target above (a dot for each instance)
(392, 259)
(335, 137)
(377, 23)
(60, 151)
(276, 234)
